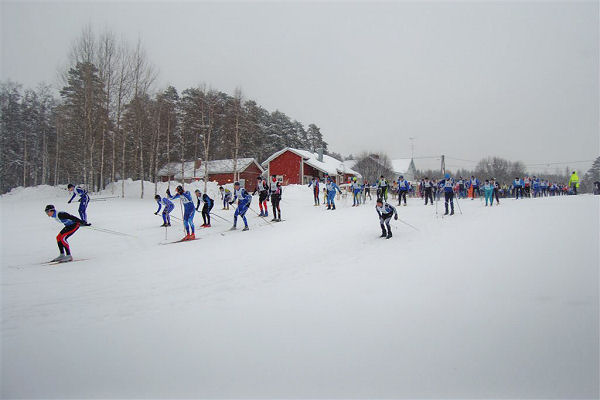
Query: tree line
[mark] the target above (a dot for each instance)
(108, 122)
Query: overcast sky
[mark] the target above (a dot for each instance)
(518, 80)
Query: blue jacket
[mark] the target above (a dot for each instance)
(536, 184)
(447, 184)
(474, 183)
(83, 194)
(166, 202)
(403, 185)
(244, 198)
(386, 210)
(207, 200)
(518, 183)
(332, 187)
(67, 219)
(186, 199)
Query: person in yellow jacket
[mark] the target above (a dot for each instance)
(574, 182)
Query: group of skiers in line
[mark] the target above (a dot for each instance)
(267, 190)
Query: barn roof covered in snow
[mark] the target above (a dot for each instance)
(214, 167)
(329, 165)
(401, 165)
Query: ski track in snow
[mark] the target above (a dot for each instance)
(499, 301)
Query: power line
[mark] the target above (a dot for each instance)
(560, 162)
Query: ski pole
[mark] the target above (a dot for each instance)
(406, 223)
(458, 204)
(218, 216)
(109, 231)
(258, 215)
(181, 208)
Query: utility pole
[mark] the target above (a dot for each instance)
(412, 147)
(443, 166)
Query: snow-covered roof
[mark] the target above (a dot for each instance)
(329, 165)
(400, 165)
(214, 167)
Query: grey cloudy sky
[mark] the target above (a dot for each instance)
(467, 79)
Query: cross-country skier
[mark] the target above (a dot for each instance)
(275, 196)
(71, 223)
(84, 199)
(356, 188)
(315, 185)
(208, 205)
(474, 183)
(496, 186)
(244, 199)
(403, 188)
(428, 190)
(488, 191)
(448, 185)
(166, 214)
(331, 188)
(367, 190)
(518, 187)
(536, 187)
(188, 211)
(385, 212)
(461, 188)
(225, 196)
(574, 182)
(263, 195)
(382, 188)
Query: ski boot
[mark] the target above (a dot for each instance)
(186, 237)
(192, 236)
(57, 259)
(207, 226)
(167, 225)
(266, 213)
(274, 219)
(446, 213)
(262, 214)
(383, 234)
(233, 228)
(333, 207)
(245, 229)
(163, 225)
(389, 235)
(66, 258)
(452, 212)
(328, 207)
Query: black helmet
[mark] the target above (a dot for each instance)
(236, 183)
(197, 191)
(380, 200)
(157, 197)
(179, 189)
(49, 207)
(401, 177)
(70, 185)
(259, 177)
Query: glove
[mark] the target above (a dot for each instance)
(231, 202)
(197, 209)
(69, 202)
(396, 217)
(86, 224)
(156, 213)
(168, 192)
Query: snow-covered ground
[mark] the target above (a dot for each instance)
(496, 302)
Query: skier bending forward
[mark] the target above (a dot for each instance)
(385, 211)
(71, 225)
(244, 199)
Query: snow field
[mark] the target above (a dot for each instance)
(497, 302)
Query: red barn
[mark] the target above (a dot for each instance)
(293, 166)
(220, 171)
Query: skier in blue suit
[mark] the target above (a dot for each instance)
(166, 214)
(403, 188)
(84, 199)
(448, 186)
(188, 211)
(244, 199)
(518, 187)
(331, 188)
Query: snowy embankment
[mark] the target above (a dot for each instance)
(497, 302)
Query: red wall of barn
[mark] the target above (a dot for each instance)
(288, 165)
(249, 174)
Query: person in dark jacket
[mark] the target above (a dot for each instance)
(71, 224)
